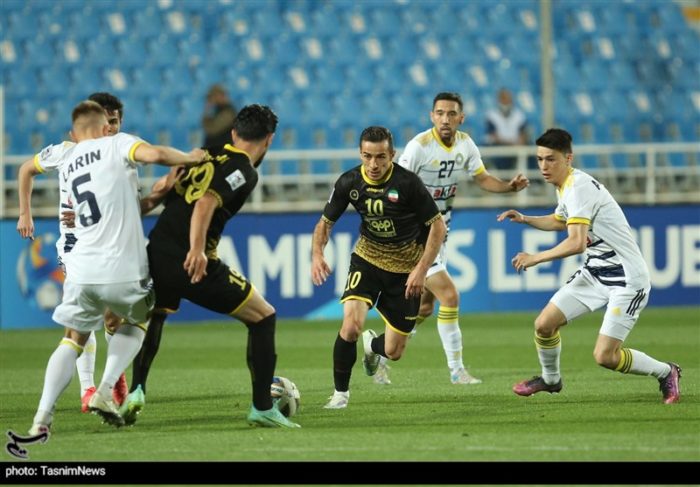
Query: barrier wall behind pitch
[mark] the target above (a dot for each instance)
(274, 252)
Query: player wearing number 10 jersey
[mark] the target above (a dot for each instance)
(400, 236)
(184, 264)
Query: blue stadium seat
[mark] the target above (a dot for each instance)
(178, 80)
(101, 52)
(146, 80)
(163, 50)
(40, 50)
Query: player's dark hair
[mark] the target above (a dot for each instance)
(109, 102)
(87, 108)
(556, 139)
(449, 96)
(376, 133)
(255, 122)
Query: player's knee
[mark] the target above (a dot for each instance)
(351, 329)
(394, 351)
(544, 327)
(451, 298)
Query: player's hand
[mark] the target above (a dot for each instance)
(196, 265)
(319, 270)
(518, 183)
(68, 218)
(522, 261)
(25, 226)
(415, 284)
(512, 215)
(197, 155)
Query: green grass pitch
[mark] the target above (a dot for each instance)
(199, 394)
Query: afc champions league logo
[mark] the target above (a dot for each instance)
(39, 275)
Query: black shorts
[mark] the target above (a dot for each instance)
(222, 290)
(383, 289)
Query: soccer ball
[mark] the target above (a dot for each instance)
(286, 395)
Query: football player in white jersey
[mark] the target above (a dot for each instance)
(439, 156)
(614, 273)
(85, 364)
(108, 266)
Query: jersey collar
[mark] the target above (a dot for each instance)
(567, 182)
(381, 181)
(232, 148)
(439, 140)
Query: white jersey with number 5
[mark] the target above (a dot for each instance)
(101, 179)
(612, 256)
(440, 166)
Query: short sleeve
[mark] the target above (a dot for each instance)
(125, 145)
(582, 201)
(339, 199)
(411, 156)
(50, 156)
(474, 165)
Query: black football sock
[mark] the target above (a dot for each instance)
(144, 359)
(378, 345)
(261, 358)
(344, 357)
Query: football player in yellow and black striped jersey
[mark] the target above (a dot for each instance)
(400, 236)
(183, 261)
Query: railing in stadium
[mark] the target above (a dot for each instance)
(653, 173)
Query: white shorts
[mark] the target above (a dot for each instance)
(440, 263)
(83, 305)
(583, 293)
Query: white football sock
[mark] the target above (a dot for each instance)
(451, 336)
(639, 363)
(59, 372)
(85, 364)
(121, 351)
(549, 351)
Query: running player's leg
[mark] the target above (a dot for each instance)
(443, 288)
(85, 365)
(622, 313)
(226, 291)
(577, 297)
(121, 389)
(78, 317)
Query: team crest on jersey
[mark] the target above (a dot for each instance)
(235, 179)
(45, 152)
(393, 195)
(354, 194)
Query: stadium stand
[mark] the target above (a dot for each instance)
(624, 71)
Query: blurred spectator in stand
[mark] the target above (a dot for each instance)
(505, 125)
(219, 114)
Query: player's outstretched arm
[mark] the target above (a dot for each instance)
(493, 184)
(319, 267)
(575, 243)
(25, 223)
(167, 156)
(545, 222)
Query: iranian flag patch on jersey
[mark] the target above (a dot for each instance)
(393, 195)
